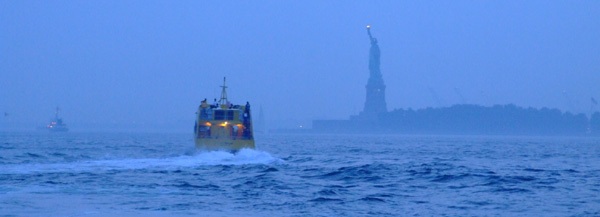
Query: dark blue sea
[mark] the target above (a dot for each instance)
(145, 174)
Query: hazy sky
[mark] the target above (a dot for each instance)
(152, 62)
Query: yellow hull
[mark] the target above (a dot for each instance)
(224, 144)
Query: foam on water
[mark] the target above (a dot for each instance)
(244, 156)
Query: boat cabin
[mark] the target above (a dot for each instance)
(223, 122)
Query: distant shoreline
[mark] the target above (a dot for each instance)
(465, 119)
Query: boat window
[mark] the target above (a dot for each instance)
(237, 114)
(219, 115)
(235, 131)
(206, 114)
(203, 131)
(230, 115)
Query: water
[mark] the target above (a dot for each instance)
(129, 174)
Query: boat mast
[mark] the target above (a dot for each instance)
(223, 99)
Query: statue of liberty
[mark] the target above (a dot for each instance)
(375, 102)
(374, 55)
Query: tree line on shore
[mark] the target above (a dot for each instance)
(495, 120)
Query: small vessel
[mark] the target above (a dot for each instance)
(57, 124)
(223, 125)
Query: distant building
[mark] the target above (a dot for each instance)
(260, 123)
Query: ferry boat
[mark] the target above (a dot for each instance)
(57, 124)
(223, 125)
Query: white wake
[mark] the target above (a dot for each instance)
(244, 156)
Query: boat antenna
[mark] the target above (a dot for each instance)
(56, 113)
(223, 99)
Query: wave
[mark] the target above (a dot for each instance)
(211, 158)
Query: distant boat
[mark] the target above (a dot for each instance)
(57, 124)
(223, 125)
